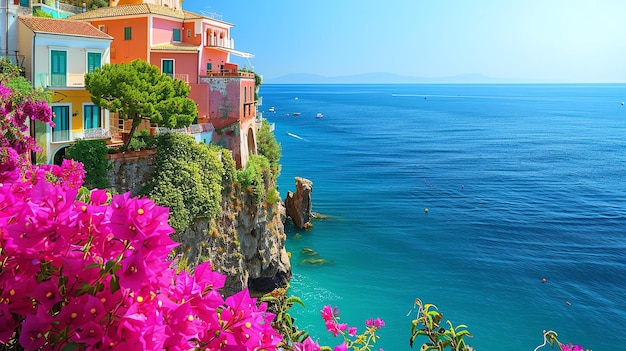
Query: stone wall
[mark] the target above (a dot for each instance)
(131, 170)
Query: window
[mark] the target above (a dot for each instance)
(91, 117)
(94, 60)
(61, 119)
(58, 68)
(176, 34)
(188, 33)
(167, 67)
(128, 33)
(209, 67)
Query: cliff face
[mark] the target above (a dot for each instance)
(247, 242)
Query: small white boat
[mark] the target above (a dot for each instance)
(272, 109)
(319, 115)
(296, 114)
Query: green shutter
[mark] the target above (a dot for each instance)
(168, 67)
(128, 33)
(91, 117)
(94, 60)
(61, 119)
(176, 34)
(58, 68)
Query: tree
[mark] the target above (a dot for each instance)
(137, 90)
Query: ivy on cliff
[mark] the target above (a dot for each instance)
(252, 177)
(187, 178)
(269, 147)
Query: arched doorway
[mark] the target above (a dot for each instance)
(251, 142)
(59, 156)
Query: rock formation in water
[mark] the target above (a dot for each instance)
(298, 204)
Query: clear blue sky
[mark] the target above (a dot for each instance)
(530, 40)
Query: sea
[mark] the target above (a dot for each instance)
(502, 205)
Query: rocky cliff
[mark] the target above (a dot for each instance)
(247, 242)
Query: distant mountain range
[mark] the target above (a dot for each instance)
(381, 78)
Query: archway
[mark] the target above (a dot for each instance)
(251, 142)
(59, 156)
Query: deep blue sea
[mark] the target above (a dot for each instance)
(521, 183)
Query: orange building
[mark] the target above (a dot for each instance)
(192, 48)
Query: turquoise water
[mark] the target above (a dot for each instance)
(521, 183)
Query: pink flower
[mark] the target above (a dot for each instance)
(307, 345)
(376, 323)
(4, 92)
(329, 313)
(341, 347)
(571, 347)
(352, 331)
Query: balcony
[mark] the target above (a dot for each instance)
(227, 73)
(69, 80)
(93, 133)
(55, 7)
(222, 43)
(183, 77)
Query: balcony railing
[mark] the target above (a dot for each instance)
(221, 43)
(93, 133)
(60, 136)
(192, 129)
(227, 73)
(60, 80)
(59, 5)
(183, 77)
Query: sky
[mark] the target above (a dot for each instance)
(558, 41)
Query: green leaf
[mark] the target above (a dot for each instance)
(115, 283)
(294, 299)
(268, 298)
(71, 346)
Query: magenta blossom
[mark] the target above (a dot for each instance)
(307, 345)
(571, 347)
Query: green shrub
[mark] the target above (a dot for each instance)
(251, 178)
(92, 155)
(187, 178)
(269, 147)
(41, 13)
(272, 197)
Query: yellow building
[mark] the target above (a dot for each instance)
(58, 53)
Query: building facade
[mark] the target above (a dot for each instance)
(57, 54)
(10, 10)
(192, 48)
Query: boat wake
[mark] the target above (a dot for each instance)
(296, 136)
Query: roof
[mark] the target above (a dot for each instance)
(139, 9)
(175, 47)
(63, 26)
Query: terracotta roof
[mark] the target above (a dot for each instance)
(138, 9)
(175, 47)
(63, 26)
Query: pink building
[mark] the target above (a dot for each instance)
(192, 48)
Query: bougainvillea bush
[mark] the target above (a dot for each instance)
(91, 272)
